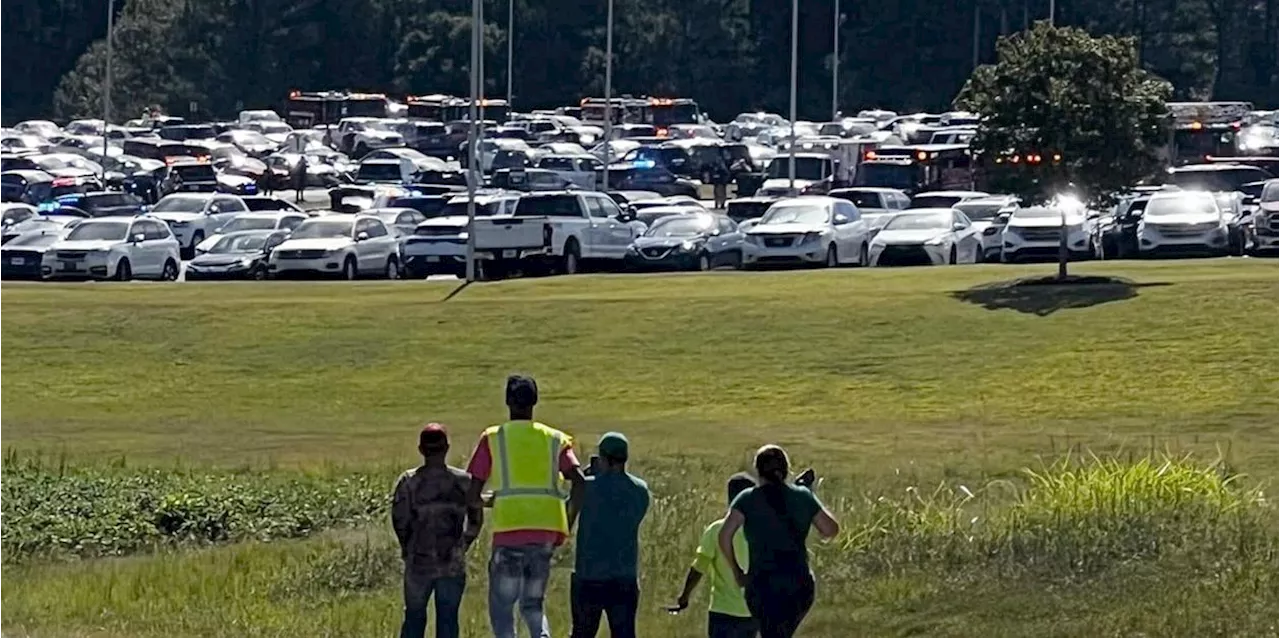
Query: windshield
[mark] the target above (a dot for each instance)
(980, 211)
(1159, 206)
(240, 244)
(920, 221)
(196, 173)
(550, 206)
(379, 172)
(810, 168)
(323, 229)
(459, 209)
(900, 176)
(934, 201)
(179, 205)
(34, 239)
(680, 227)
(98, 231)
(249, 223)
(673, 114)
(796, 213)
(1271, 192)
(860, 199)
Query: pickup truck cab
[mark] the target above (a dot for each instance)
(438, 245)
(555, 231)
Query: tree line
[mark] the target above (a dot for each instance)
(731, 55)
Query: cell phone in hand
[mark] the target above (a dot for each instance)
(592, 465)
(807, 478)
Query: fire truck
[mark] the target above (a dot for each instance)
(305, 109)
(1202, 130)
(918, 168)
(447, 108)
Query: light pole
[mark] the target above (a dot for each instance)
(835, 62)
(608, 92)
(106, 95)
(511, 38)
(791, 149)
(472, 131)
(1053, 10)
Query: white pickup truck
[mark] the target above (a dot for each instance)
(554, 232)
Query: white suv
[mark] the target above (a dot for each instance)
(1183, 222)
(120, 248)
(194, 216)
(348, 246)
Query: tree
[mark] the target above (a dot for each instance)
(1064, 111)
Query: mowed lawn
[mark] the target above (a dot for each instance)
(901, 386)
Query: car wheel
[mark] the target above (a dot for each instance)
(170, 271)
(951, 257)
(864, 255)
(735, 260)
(393, 269)
(123, 271)
(196, 238)
(349, 269)
(572, 259)
(833, 258)
(259, 273)
(704, 262)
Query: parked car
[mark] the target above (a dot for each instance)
(989, 215)
(697, 241)
(286, 221)
(194, 216)
(401, 221)
(555, 231)
(1186, 222)
(1266, 219)
(236, 255)
(120, 248)
(1034, 232)
(927, 237)
(23, 256)
(104, 204)
(438, 245)
(809, 230)
(59, 221)
(347, 246)
(875, 203)
(943, 199)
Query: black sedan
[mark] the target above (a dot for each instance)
(238, 255)
(23, 255)
(695, 241)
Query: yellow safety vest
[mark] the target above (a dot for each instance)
(526, 477)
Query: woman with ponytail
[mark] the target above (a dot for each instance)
(775, 517)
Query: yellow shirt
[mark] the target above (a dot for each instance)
(726, 596)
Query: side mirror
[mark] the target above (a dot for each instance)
(958, 226)
(217, 231)
(1001, 220)
(137, 237)
(1249, 200)
(361, 236)
(841, 220)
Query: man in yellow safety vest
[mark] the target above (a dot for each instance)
(523, 461)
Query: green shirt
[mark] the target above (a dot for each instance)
(776, 523)
(726, 596)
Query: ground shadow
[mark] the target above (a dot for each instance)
(456, 291)
(1043, 296)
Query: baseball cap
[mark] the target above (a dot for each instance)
(522, 390)
(434, 436)
(614, 445)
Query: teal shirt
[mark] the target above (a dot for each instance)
(608, 545)
(776, 530)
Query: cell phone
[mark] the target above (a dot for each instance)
(807, 478)
(592, 464)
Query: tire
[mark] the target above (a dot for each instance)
(196, 238)
(704, 262)
(124, 272)
(571, 263)
(864, 255)
(392, 271)
(350, 270)
(833, 257)
(951, 258)
(259, 273)
(735, 261)
(169, 272)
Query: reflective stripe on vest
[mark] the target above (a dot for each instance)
(526, 463)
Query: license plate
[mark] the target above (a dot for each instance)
(432, 259)
(70, 266)
(17, 261)
(509, 254)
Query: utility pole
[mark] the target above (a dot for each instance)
(835, 62)
(473, 175)
(977, 13)
(608, 94)
(106, 97)
(791, 149)
(511, 39)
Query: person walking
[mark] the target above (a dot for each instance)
(525, 460)
(775, 517)
(299, 177)
(605, 568)
(436, 519)
(728, 616)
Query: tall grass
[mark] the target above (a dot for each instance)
(1081, 545)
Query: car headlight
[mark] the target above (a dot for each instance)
(753, 239)
(631, 250)
(689, 246)
(810, 238)
(936, 241)
(177, 224)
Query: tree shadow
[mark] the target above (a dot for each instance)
(1043, 296)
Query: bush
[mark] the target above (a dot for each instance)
(57, 511)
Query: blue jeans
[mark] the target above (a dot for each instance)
(519, 575)
(417, 590)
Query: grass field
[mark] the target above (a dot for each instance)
(926, 379)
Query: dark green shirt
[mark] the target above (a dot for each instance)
(608, 546)
(777, 520)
